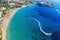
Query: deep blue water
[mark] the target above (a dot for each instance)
(22, 27)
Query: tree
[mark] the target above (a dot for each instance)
(0, 1)
(4, 13)
(0, 33)
(6, 5)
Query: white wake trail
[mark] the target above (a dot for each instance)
(39, 24)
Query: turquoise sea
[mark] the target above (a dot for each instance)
(22, 27)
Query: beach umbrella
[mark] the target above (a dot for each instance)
(35, 22)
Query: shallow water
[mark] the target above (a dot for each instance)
(22, 27)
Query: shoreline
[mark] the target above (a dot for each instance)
(6, 21)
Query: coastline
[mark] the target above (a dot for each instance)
(6, 21)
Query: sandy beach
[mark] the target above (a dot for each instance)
(6, 21)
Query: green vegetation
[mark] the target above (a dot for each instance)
(0, 34)
(7, 5)
(0, 1)
(4, 13)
